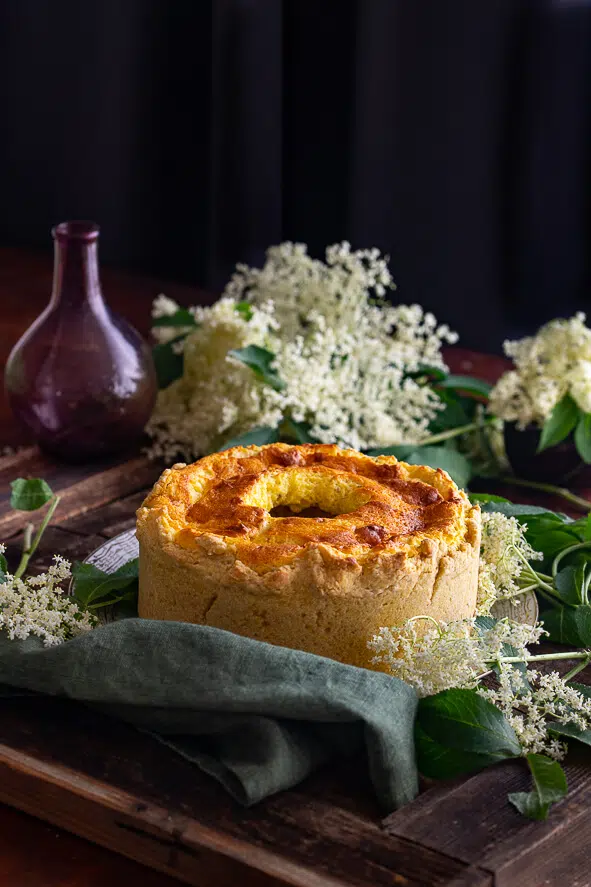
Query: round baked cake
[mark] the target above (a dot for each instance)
(312, 547)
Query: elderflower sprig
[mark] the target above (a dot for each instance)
(38, 606)
(344, 364)
(548, 366)
(535, 706)
(433, 656)
(505, 561)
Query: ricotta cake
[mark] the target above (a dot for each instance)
(312, 547)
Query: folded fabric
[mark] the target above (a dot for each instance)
(258, 718)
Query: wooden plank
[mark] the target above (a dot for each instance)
(81, 492)
(299, 837)
(115, 819)
(72, 546)
(108, 520)
(471, 820)
(34, 853)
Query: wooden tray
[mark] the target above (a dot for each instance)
(105, 781)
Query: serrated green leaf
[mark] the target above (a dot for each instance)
(466, 383)
(93, 586)
(465, 722)
(257, 437)
(569, 625)
(456, 464)
(259, 360)
(29, 494)
(167, 363)
(583, 437)
(181, 318)
(559, 424)
(244, 309)
(549, 787)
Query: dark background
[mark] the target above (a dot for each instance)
(453, 134)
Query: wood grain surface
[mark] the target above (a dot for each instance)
(113, 786)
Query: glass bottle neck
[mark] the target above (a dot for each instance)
(75, 274)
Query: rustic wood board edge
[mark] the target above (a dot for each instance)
(171, 843)
(176, 844)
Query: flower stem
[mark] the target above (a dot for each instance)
(546, 657)
(456, 432)
(578, 501)
(565, 552)
(29, 547)
(579, 667)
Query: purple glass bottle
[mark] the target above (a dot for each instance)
(81, 378)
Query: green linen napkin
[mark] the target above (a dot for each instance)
(257, 717)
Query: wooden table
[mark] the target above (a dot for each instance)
(125, 791)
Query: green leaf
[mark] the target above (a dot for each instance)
(437, 761)
(298, 431)
(559, 424)
(485, 498)
(181, 317)
(569, 625)
(259, 360)
(168, 364)
(569, 583)
(29, 494)
(582, 527)
(257, 437)
(549, 787)
(244, 309)
(435, 373)
(583, 437)
(401, 451)
(458, 411)
(466, 383)
(463, 721)
(513, 509)
(456, 464)
(93, 586)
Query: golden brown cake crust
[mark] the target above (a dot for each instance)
(221, 543)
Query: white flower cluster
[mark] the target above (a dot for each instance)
(347, 360)
(433, 656)
(531, 708)
(38, 606)
(504, 557)
(554, 362)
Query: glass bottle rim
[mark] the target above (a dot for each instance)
(78, 229)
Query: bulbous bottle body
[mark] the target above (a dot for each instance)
(80, 378)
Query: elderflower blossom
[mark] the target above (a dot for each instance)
(38, 606)
(217, 398)
(165, 307)
(504, 557)
(553, 363)
(531, 708)
(346, 359)
(433, 656)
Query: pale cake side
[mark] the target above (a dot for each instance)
(401, 540)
